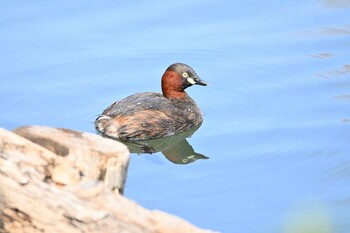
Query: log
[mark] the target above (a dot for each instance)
(59, 180)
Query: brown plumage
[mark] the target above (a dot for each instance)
(152, 115)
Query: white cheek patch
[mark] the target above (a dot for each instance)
(190, 80)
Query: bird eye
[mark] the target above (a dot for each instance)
(185, 75)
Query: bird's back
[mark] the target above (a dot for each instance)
(148, 115)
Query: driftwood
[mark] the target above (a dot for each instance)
(58, 180)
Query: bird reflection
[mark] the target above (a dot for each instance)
(175, 148)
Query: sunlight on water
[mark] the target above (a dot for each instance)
(309, 220)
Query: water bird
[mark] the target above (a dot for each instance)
(149, 115)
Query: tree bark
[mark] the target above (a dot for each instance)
(66, 181)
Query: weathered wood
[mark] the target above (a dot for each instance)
(68, 183)
(82, 156)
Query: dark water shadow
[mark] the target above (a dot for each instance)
(175, 148)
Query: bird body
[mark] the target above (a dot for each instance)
(150, 115)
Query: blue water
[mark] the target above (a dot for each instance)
(277, 111)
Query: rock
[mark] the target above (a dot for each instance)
(46, 186)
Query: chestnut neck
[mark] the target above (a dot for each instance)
(172, 86)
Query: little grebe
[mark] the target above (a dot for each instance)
(152, 115)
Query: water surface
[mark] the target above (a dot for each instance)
(277, 114)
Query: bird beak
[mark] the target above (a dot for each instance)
(197, 81)
(201, 82)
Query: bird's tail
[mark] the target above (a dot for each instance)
(106, 126)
